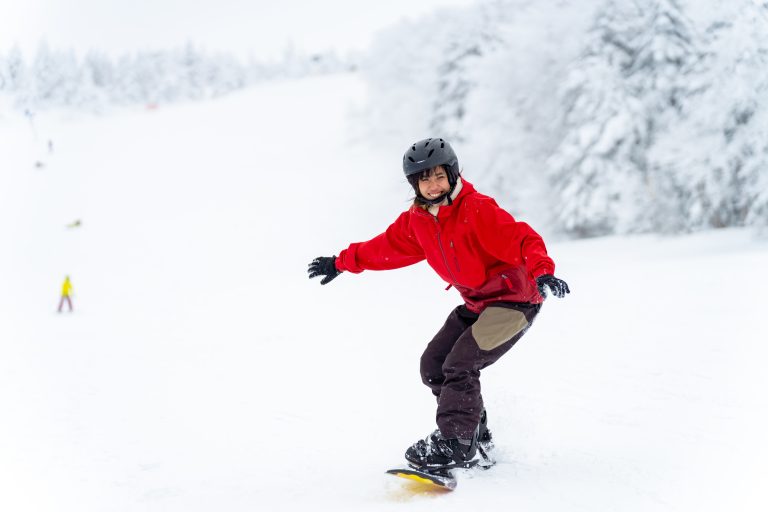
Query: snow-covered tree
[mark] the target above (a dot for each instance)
(193, 72)
(717, 158)
(658, 124)
(511, 121)
(12, 71)
(97, 81)
(55, 78)
(401, 69)
(59, 78)
(632, 82)
(457, 60)
(225, 75)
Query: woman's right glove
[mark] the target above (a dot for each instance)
(558, 287)
(324, 266)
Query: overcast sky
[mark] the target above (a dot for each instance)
(263, 27)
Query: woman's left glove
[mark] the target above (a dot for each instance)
(558, 287)
(324, 266)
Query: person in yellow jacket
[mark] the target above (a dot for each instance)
(66, 294)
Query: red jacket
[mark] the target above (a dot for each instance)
(473, 245)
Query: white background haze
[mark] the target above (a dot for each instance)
(262, 28)
(201, 370)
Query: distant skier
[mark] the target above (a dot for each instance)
(499, 266)
(66, 294)
(31, 118)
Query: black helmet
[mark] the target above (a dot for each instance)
(424, 155)
(428, 153)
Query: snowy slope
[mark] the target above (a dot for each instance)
(202, 371)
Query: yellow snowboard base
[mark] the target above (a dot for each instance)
(439, 481)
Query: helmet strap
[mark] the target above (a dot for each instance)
(431, 202)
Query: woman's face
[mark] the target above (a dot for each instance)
(434, 184)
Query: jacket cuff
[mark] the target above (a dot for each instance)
(541, 271)
(346, 260)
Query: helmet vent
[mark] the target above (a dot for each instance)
(424, 155)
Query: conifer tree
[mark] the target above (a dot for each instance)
(631, 82)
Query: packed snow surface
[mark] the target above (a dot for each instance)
(201, 370)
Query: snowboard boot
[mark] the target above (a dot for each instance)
(437, 452)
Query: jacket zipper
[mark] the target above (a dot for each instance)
(442, 251)
(455, 258)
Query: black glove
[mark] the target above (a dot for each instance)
(558, 287)
(323, 266)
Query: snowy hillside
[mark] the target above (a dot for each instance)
(633, 116)
(201, 370)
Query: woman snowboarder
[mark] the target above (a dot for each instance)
(499, 266)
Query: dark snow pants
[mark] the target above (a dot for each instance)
(466, 344)
(68, 301)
